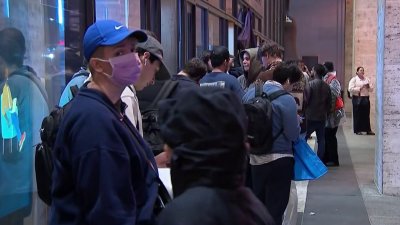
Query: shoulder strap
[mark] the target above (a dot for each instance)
(74, 90)
(161, 186)
(82, 72)
(276, 94)
(330, 78)
(165, 91)
(259, 88)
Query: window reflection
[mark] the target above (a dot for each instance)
(40, 43)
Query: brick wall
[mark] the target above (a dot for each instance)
(348, 62)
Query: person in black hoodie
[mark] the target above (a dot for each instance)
(204, 130)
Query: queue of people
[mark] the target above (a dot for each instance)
(106, 173)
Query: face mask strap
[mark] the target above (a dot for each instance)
(108, 75)
(103, 60)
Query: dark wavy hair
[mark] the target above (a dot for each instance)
(270, 49)
(195, 68)
(285, 71)
(219, 55)
(329, 66)
(320, 70)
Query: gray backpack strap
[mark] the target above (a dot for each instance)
(276, 94)
(258, 88)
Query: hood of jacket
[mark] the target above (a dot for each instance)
(206, 129)
(255, 65)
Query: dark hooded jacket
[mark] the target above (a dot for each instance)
(248, 78)
(206, 129)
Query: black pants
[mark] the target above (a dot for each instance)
(361, 111)
(319, 128)
(271, 184)
(331, 146)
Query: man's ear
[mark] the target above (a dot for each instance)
(145, 58)
(96, 65)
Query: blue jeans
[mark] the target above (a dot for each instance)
(319, 128)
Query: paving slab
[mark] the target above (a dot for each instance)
(336, 197)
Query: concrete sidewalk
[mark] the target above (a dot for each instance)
(382, 210)
(347, 194)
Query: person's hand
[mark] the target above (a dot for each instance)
(275, 64)
(162, 160)
(305, 69)
(366, 85)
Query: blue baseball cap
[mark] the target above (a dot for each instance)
(107, 33)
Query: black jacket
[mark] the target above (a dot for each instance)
(212, 206)
(206, 129)
(319, 100)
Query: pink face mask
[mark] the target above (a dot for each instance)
(126, 70)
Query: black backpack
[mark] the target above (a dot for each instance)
(43, 153)
(259, 115)
(151, 128)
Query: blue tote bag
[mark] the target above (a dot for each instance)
(307, 165)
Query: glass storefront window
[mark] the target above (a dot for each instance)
(40, 43)
(190, 32)
(213, 29)
(231, 38)
(150, 12)
(123, 11)
(201, 30)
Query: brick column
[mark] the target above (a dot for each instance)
(388, 98)
(348, 51)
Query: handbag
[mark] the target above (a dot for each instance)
(307, 165)
(339, 104)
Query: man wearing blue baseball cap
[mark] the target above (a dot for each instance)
(104, 172)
